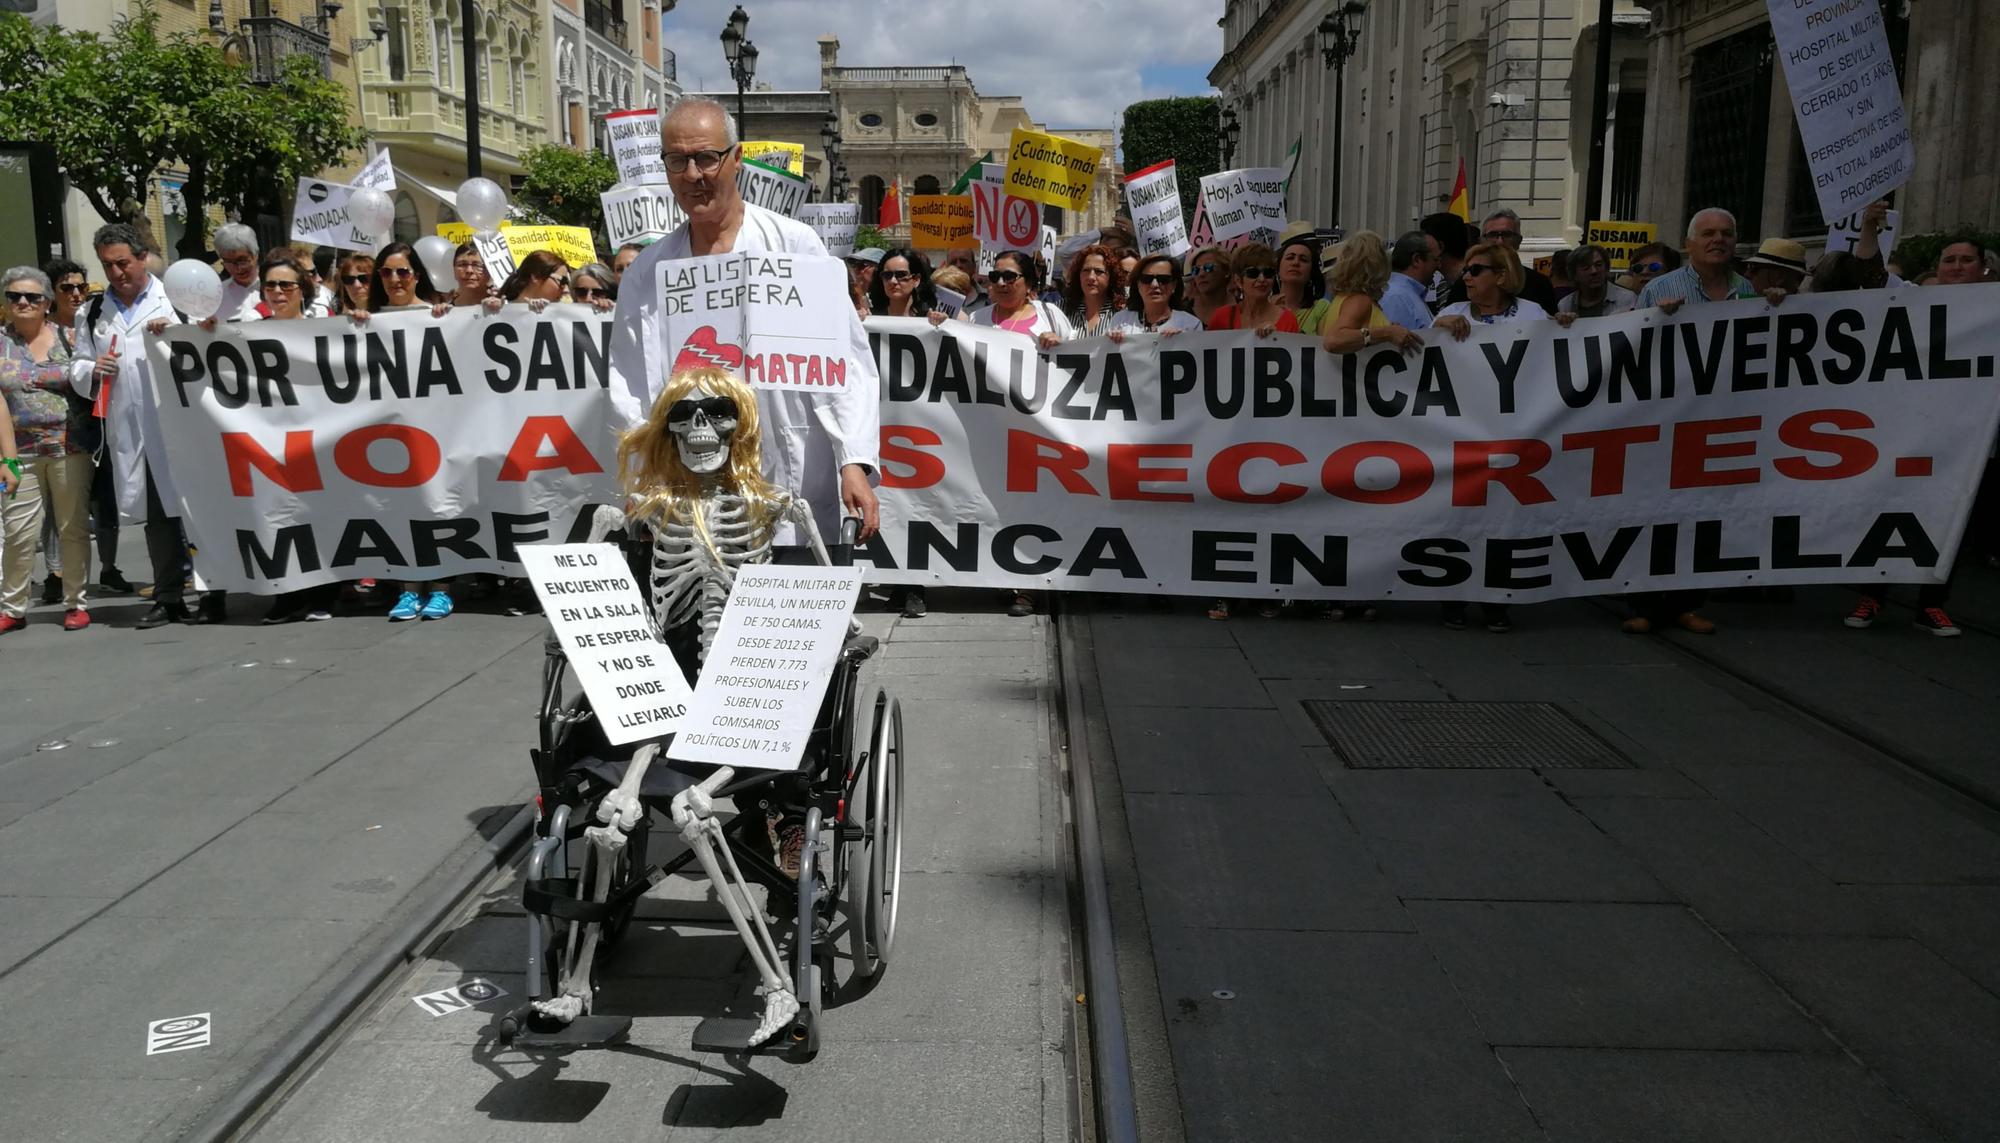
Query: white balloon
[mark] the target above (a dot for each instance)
(372, 211)
(481, 203)
(193, 288)
(436, 251)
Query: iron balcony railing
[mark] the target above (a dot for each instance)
(600, 18)
(273, 41)
(669, 68)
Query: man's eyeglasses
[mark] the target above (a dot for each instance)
(1475, 269)
(73, 287)
(1004, 277)
(897, 275)
(23, 298)
(470, 265)
(1650, 268)
(1502, 235)
(282, 287)
(355, 279)
(707, 162)
(1252, 273)
(396, 272)
(586, 293)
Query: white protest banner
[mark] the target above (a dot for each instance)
(378, 173)
(1845, 233)
(999, 220)
(319, 216)
(317, 451)
(1242, 202)
(591, 600)
(635, 145)
(1153, 196)
(771, 188)
(496, 252)
(767, 669)
(836, 223)
(1846, 99)
(646, 212)
(1836, 441)
(778, 320)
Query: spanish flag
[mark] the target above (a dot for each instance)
(1461, 204)
(892, 208)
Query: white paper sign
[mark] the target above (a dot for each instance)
(588, 594)
(999, 220)
(494, 251)
(836, 223)
(1846, 99)
(1239, 202)
(635, 145)
(1153, 196)
(1846, 232)
(1048, 251)
(771, 188)
(179, 1033)
(379, 173)
(459, 997)
(768, 667)
(950, 301)
(319, 216)
(645, 212)
(781, 321)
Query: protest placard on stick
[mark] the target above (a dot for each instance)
(644, 212)
(1619, 239)
(771, 188)
(1845, 97)
(780, 321)
(836, 223)
(1051, 169)
(635, 145)
(940, 221)
(1153, 196)
(1242, 202)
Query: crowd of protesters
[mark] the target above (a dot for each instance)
(68, 481)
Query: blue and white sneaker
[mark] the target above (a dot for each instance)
(437, 606)
(407, 606)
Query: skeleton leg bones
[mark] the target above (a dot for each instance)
(694, 815)
(620, 811)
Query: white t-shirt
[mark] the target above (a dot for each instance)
(1521, 310)
(239, 303)
(1132, 322)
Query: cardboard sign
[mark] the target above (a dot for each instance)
(1846, 232)
(1244, 201)
(1846, 99)
(785, 156)
(771, 188)
(781, 321)
(379, 173)
(319, 216)
(940, 221)
(1153, 196)
(1002, 221)
(1051, 169)
(768, 667)
(646, 212)
(575, 245)
(591, 601)
(635, 145)
(1619, 239)
(836, 223)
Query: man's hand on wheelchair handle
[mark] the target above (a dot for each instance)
(858, 497)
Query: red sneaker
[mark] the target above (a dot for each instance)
(12, 623)
(76, 619)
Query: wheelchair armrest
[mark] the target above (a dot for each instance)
(859, 648)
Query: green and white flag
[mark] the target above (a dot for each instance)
(1292, 168)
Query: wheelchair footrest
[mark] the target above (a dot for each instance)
(730, 1036)
(582, 1032)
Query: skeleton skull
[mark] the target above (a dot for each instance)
(703, 425)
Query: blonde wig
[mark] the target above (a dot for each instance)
(662, 489)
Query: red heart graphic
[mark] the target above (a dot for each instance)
(703, 350)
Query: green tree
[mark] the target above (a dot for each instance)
(1185, 129)
(563, 185)
(868, 236)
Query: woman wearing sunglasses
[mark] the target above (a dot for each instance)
(1209, 281)
(285, 284)
(594, 285)
(47, 445)
(1256, 306)
(1012, 284)
(352, 277)
(901, 287)
(400, 282)
(539, 279)
(1155, 301)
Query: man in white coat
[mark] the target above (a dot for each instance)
(821, 446)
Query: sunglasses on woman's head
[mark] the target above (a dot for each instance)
(1004, 277)
(1154, 279)
(1250, 272)
(396, 272)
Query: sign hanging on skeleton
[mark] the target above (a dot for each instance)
(634, 683)
(778, 320)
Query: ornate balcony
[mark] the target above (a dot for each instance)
(272, 41)
(604, 20)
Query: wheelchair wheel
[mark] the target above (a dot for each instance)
(885, 828)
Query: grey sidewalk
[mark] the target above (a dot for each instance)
(965, 1038)
(1757, 930)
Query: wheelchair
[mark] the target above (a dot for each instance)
(844, 800)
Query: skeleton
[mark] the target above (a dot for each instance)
(708, 518)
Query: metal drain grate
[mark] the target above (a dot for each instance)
(1459, 736)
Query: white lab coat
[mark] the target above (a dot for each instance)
(808, 437)
(239, 303)
(132, 420)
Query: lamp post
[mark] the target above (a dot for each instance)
(829, 137)
(1230, 129)
(742, 57)
(1340, 36)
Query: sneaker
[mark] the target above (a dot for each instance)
(76, 619)
(1637, 625)
(407, 606)
(1935, 621)
(1022, 606)
(914, 606)
(1219, 609)
(112, 581)
(12, 623)
(52, 591)
(1694, 624)
(1268, 610)
(438, 606)
(1500, 625)
(318, 615)
(1865, 610)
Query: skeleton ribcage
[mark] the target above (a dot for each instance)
(690, 584)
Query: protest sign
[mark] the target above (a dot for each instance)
(836, 223)
(377, 173)
(1200, 234)
(1846, 99)
(950, 301)
(319, 216)
(1051, 169)
(940, 221)
(643, 213)
(317, 451)
(1846, 232)
(767, 668)
(1619, 239)
(459, 233)
(495, 252)
(635, 145)
(1002, 221)
(592, 602)
(1241, 203)
(778, 320)
(575, 245)
(785, 156)
(1153, 197)
(771, 188)
(1048, 252)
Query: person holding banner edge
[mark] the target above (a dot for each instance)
(1014, 282)
(1301, 285)
(1255, 308)
(1154, 301)
(821, 446)
(902, 288)
(284, 282)
(1087, 290)
(1208, 277)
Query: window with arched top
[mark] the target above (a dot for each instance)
(926, 184)
(871, 199)
(407, 228)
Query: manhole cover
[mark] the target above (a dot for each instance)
(1459, 736)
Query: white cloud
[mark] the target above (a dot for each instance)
(1075, 63)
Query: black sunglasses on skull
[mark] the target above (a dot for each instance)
(714, 408)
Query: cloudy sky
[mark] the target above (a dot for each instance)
(1077, 63)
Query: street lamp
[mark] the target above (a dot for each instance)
(1230, 129)
(1340, 36)
(742, 57)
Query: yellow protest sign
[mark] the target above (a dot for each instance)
(1051, 169)
(940, 221)
(1619, 239)
(573, 244)
(790, 156)
(460, 233)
